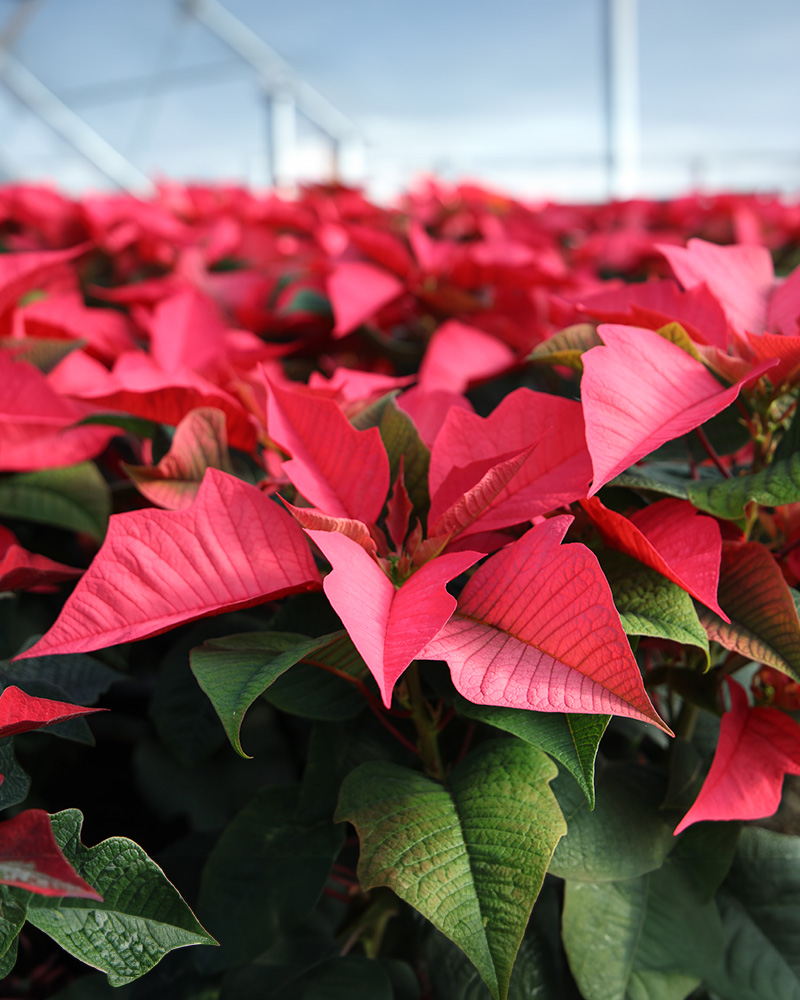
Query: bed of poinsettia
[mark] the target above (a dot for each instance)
(427, 576)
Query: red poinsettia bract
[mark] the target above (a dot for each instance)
(757, 747)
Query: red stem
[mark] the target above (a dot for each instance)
(381, 717)
(362, 687)
(341, 879)
(747, 418)
(467, 740)
(448, 715)
(337, 895)
(709, 450)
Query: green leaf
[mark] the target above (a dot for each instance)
(264, 876)
(764, 625)
(401, 438)
(779, 483)
(43, 352)
(76, 498)
(312, 688)
(82, 678)
(139, 426)
(16, 783)
(184, 718)
(626, 835)
(706, 852)
(405, 984)
(677, 335)
(726, 432)
(647, 938)
(658, 478)
(571, 739)
(567, 346)
(314, 693)
(13, 908)
(336, 748)
(9, 959)
(649, 604)
(451, 975)
(760, 905)
(790, 441)
(471, 859)
(141, 919)
(235, 670)
(352, 977)
(307, 300)
(751, 967)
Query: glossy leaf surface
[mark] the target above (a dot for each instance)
(657, 936)
(625, 836)
(760, 908)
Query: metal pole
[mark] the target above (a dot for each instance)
(281, 84)
(621, 91)
(54, 113)
(72, 128)
(282, 143)
(17, 22)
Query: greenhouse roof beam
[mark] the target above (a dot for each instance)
(28, 89)
(274, 71)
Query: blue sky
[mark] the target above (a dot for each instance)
(510, 93)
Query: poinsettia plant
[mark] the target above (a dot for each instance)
(439, 579)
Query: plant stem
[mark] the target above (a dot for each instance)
(362, 687)
(425, 724)
(370, 927)
(746, 417)
(751, 513)
(708, 447)
(375, 705)
(687, 720)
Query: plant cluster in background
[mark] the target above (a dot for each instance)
(474, 525)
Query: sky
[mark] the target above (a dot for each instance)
(509, 94)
